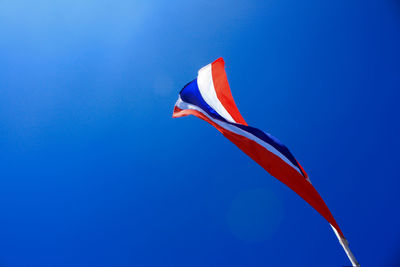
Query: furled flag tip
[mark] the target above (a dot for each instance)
(209, 98)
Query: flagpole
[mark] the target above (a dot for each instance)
(345, 245)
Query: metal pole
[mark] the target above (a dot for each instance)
(345, 245)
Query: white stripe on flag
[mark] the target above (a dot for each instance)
(207, 91)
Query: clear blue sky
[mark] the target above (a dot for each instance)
(95, 172)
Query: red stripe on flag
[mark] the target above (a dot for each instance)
(273, 165)
(223, 91)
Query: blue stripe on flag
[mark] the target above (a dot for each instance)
(191, 94)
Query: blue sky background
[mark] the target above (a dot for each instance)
(94, 172)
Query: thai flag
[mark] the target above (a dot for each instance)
(209, 98)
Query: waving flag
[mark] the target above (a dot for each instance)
(209, 98)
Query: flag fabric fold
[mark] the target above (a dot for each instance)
(209, 98)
